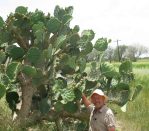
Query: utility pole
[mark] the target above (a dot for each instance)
(118, 50)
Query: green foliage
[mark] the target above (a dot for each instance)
(1, 22)
(21, 10)
(37, 16)
(125, 67)
(15, 52)
(136, 92)
(78, 94)
(67, 95)
(47, 53)
(76, 29)
(81, 126)
(72, 62)
(85, 42)
(71, 107)
(38, 26)
(59, 12)
(2, 90)
(29, 70)
(120, 96)
(60, 41)
(82, 64)
(4, 37)
(89, 84)
(44, 106)
(86, 49)
(2, 57)
(5, 80)
(64, 15)
(108, 70)
(38, 77)
(53, 25)
(33, 55)
(122, 86)
(58, 106)
(39, 34)
(101, 44)
(87, 35)
(66, 19)
(126, 72)
(12, 70)
(60, 83)
(73, 39)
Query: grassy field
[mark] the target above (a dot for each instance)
(137, 116)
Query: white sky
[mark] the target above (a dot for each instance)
(126, 20)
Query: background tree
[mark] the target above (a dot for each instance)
(133, 52)
(141, 50)
(122, 50)
(109, 54)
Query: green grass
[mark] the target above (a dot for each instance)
(140, 65)
(137, 116)
(143, 60)
(5, 116)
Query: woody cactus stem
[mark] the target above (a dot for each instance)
(27, 93)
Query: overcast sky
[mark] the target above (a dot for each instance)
(125, 20)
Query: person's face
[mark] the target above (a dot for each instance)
(97, 100)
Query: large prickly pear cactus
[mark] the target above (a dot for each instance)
(39, 53)
(44, 59)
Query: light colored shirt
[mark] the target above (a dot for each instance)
(102, 119)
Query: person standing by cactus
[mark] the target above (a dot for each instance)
(101, 117)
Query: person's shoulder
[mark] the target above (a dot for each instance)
(90, 108)
(109, 111)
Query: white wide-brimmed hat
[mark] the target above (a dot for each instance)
(100, 93)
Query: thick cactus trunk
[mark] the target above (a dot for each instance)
(27, 92)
